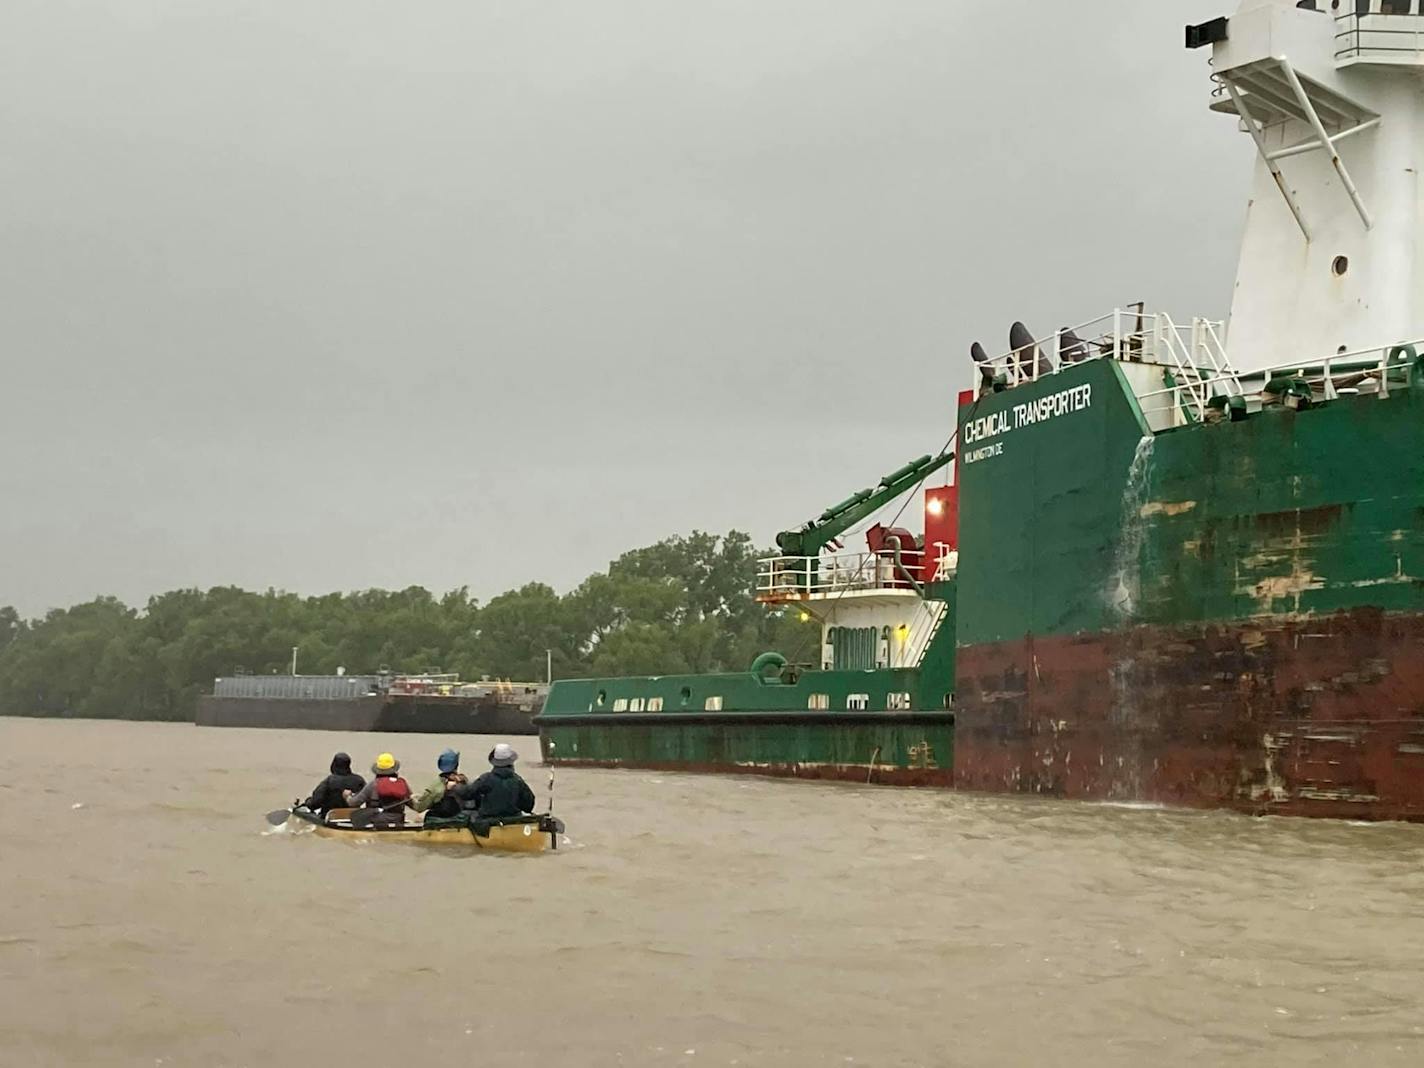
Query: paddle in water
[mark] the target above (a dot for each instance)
(365, 817)
(279, 816)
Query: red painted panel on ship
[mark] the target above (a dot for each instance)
(941, 523)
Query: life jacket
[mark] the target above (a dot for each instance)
(389, 790)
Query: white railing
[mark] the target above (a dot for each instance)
(1361, 371)
(1125, 334)
(780, 577)
(1392, 31)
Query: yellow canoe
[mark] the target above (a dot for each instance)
(521, 834)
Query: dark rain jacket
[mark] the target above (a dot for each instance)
(327, 794)
(497, 794)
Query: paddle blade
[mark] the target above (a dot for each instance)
(279, 816)
(364, 817)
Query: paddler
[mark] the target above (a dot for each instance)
(331, 791)
(438, 801)
(499, 793)
(387, 792)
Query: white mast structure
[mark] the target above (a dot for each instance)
(1332, 95)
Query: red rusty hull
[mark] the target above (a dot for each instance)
(1318, 716)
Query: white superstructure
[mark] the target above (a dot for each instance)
(1334, 100)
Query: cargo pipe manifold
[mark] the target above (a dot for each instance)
(894, 541)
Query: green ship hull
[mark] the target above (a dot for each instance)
(1221, 615)
(757, 723)
(892, 748)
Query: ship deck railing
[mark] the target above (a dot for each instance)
(451, 685)
(787, 578)
(1133, 334)
(1389, 31)
(1369, 371)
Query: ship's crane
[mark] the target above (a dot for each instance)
(812, 536)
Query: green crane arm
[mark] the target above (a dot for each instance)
(809, 538)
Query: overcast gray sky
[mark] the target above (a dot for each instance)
(330, 295)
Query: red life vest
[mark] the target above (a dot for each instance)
(389, 790)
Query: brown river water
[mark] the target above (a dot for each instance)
(687, 920)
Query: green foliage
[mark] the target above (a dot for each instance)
(682, 604)
(10, 625)
(52, 665)
(516, 628)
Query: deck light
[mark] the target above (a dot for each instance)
(934, 506)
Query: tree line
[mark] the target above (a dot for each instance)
(684, 604)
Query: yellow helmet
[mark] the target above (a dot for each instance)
(385, 762)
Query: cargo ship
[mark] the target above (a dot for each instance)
(428, 704)
(1188, 562)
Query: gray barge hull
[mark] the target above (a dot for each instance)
(397, 714)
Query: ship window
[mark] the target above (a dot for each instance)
(857, 702)
(620, 704)
(712, 704)
(602, 698)
(1340, 265)
(635, 705)
(686, 696)
(818, 702)
(897, 702)
(655, 704)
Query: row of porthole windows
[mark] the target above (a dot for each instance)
(652, 704)
(637, 704)
(817, 702)
(859, 702)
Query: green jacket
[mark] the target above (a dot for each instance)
(437, 799)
